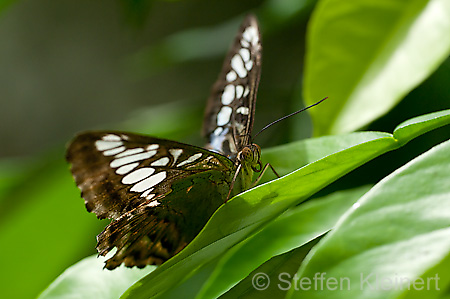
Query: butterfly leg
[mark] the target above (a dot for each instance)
(262, 171)
(233, 181)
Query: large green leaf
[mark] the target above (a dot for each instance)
(250, 211)
(399, 231)
(294, 228)
(289, 157)
(366, 55)
(265, 282)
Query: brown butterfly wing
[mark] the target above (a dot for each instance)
(230, 109)
(142, 237)
(151, 187)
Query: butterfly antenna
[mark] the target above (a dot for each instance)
(289, 115)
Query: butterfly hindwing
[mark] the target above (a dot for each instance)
(231, 106)
(152, 234)
(142, 236)
(117, 172)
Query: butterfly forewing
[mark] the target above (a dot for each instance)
(230, 109)
(117, 172)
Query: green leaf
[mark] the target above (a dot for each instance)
(289, 157)
(88, 279)
(399, 231)
(265, 282)
(413, 127)
(294, 228)
(250, 211)
(366, 55)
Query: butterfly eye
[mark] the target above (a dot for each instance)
(246, 154)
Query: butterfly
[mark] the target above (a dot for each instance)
(160, 193)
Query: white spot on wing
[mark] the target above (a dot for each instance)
(239, 91)
(127, 168)
(231, 76)
(223, 117)
(149, 182)
(130, 152)
(114, 151)
(217, 142)
(138, 175)
(228, 94)
(147, 192)
(245, 43)
(251, 35)
(161, 162)
(238, 66)
(242, 110)
(102, 145)
(245, 54)
(175, 153)
(249, 65)
(246, 91)
(153, 203)
(130, 159)
(111, 137)
(152, 147)
(218, 131)
(190, 159)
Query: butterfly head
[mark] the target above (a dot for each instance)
(251, 155)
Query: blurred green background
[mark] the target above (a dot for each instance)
(143, 66)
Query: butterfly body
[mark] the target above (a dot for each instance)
(160, 193)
